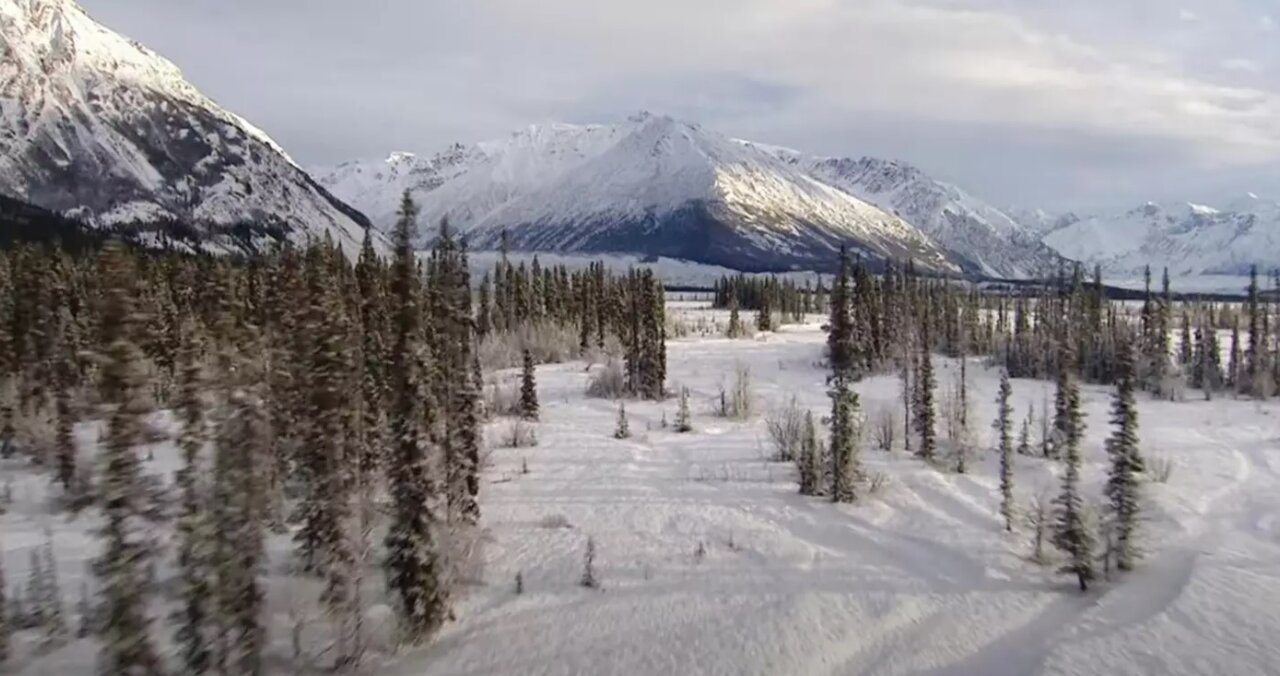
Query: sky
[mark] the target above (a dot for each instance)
(1089, 104)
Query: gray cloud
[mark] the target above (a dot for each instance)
(1056, 104)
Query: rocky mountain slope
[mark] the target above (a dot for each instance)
(659, 186)
(95, 126)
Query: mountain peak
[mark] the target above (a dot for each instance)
(97, 125)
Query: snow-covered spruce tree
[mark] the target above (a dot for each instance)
(684, 419)
(904, 380)
(964, 436)
(65, 442)
(764, 313)
(846, 469)
(840, 332)
(1071, 532)
(6, 627)
(623, 428)
(809, 457)
(191, 633)
(1024, 435)
(373, 356)
(412, 559)
(1124, 487)
(735, 320)
(238, 518)
(1234, 369)
(123, 566)
(55, 622)
(1003, 426)
(924, 413)
(528, 389)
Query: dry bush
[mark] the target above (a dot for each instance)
(549, 344)
(877, 482)
(518, 434)
(739, 402)
(884, 428)
(464, 555)
(555, 521)
(502, 399)
(1159, 468)
(786, 430)
(608, 382)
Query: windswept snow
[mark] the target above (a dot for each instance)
(711, 563)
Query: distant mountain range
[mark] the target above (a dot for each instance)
(659, 186)
(97, 128)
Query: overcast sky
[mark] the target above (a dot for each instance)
(1078, 104)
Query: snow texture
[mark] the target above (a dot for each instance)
(711, 563)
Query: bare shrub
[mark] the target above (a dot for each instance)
(463, 549)
(518, 434)
(1039, 516)
(884, 428)
(502, 399)
(608, 382)
(786, 431)
(739, 403)
(877, 482)
(555, 522)
(1159, 468)
(549, 343)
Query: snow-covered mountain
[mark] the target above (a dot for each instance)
(986, 238)
(658, 186)
(94, 125)
(1189, 239)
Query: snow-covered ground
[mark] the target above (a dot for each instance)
(711, 563)
(918, 578)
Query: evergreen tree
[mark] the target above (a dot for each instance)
(412, 560)
(1003, 426)
(55, 623)
(924, 420)
(528, 389)
(735, 321)
(623, 429)
(684, 419)
(1024, 435)
(239, 548)
(764, 315)
(1071, 531)
(123, 567)
(846, 470)
(6, 627)
(809, 459)
(194, 572)
(1123, 488)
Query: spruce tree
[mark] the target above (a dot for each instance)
(528, 389)
(1003, 426)
(809, 458)
(735, 321)
(55, 622)
(1123, 488)
(239, 548)
(924, 419)
(193, 534)
(412, 560)
(1071, 531)
(684, 419)
(764, 313)
(1024, 435)
(846, 470)
(6, 627)
(124, 564)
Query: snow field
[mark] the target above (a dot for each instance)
(711, 563)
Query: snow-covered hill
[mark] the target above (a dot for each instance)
(95, 125)
(1189, 239)
(658, 186)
